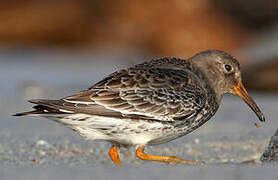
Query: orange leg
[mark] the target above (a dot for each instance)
(170, 159)
(114, 155)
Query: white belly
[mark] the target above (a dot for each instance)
(123, 131)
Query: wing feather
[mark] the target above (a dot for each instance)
(159, 93)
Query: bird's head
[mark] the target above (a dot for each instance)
(223, 73)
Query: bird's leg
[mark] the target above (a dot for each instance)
(170, 159)
(114, 155)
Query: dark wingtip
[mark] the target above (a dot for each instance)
(26, 113)
(34, 101)
(19, 114)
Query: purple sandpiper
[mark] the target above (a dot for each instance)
(150, 103)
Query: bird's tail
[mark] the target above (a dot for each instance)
(40, 109)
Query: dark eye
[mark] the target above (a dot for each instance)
(228, 67)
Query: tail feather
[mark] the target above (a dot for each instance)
(40, 109)
(27, 113)
(59, 107)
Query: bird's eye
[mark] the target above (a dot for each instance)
(228, 67)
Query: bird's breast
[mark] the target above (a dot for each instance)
(187, 125)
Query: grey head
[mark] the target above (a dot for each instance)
(222, 72)
(220, 69)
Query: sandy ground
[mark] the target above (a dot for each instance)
(230, 144)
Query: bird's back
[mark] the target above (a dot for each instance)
(165, 92)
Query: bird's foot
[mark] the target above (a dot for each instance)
(169, 159)
(114, 155)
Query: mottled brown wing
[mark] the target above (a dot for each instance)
(157, 93)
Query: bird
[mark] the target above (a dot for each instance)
(150, 103)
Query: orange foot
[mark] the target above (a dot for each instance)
(114, 155)
(170, 159)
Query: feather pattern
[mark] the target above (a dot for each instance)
(161, 93)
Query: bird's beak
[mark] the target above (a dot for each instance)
(242, 93)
